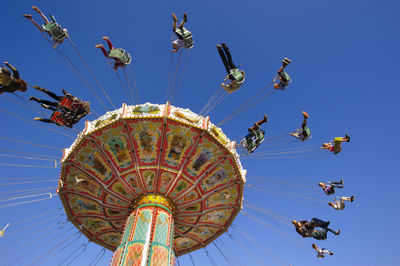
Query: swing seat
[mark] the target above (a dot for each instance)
(237, 75)
(76, 106)
(186, 36)
(58, 117)
(120, 55)
(306, 132)
(55, 31)
(253, 140)
(284, 77)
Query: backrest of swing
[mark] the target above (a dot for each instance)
(237, 75)
(70, 104)
(307, 132)
(66, 102)
(121, 55)
(58, 117)
(284, 76)
(186, 37)
(55, 31)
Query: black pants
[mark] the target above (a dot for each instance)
(52, 95)
(226, 58)
(336, 184)
(46, 102)
(315, 222)
(45, 120)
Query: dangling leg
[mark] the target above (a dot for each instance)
(34, 22)
(48, 107)
(253, 128)
(32, 98)
(51, 94)
(110, 47)
(223, 57)
(303, 125)
(183, 21)
(315, 222)
(337, 184)
(324, 250)
(13, 69)
(102, 49)
(351, 199)
(285, 62)
(45, 120)
(228, 55)
(41, 14)
(175, 21)
(332, 231)
(262, 121)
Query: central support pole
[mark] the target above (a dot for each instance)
(148, 236)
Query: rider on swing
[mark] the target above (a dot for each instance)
(120, 56)
(284, 78)
(67, 111)
(184, 37)
(304, 132)
(255, 137)
(235, 75)
(335, 146)
(52, 28)
(11, 82)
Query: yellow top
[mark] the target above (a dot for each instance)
(154, 198)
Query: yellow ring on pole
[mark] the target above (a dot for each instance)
(154, 198)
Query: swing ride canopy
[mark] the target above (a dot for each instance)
(150, 148)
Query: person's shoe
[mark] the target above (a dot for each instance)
(331, 253)
(98, 46)
(105, 38)
(305, 115)
(265, 120)
(352, 198)
(64, 92)
(174, 17)
(348, 138)
(286, 61)
(36, 9)
(184, 17)
(341, 181)
(27, 16)
(331, 204)
(337, 232)
(33, 98)
(314, 246)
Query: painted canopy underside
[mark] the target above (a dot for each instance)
(150, 148)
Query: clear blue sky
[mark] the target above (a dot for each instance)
(344, 66)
